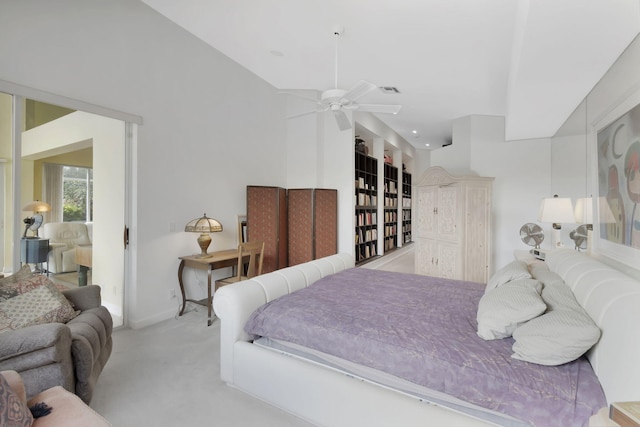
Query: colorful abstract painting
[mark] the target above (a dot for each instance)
(618, 148)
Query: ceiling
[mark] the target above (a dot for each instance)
(530, 61)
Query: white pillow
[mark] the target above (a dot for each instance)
(514, 270)
(564, 333)
(503, 309)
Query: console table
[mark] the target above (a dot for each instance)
(213, 261)
(84, 259)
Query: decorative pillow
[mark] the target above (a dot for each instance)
(503, 309)
(564, 333)
(514, 270)
(13, 411)
(32, 300)
(23, 273)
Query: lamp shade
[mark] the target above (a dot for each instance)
(556, 210)
(203, 225)
(584, 210)
(37, 206)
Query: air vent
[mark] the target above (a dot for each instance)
(389, 89)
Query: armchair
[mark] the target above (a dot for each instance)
(70, 355)
(63, 239)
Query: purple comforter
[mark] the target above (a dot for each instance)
(423, 329)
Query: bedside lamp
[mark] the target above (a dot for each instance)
(584, 211)
(556, 210)
(204, 226)
(34, 222)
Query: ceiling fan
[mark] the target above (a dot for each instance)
(337, 100)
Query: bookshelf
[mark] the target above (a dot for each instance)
(366, 207)
(406, 208)
(390, 207)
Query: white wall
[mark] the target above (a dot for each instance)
(456, 158)
(210, 126)
(525, 172)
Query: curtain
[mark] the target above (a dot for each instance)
(52, 191)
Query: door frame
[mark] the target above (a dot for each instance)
(131, 122)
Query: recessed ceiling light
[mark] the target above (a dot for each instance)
(414, 131)
(276, 53)
(426, 145)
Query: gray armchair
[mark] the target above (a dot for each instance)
(70, 355)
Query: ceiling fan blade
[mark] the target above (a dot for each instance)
(361, 88)
(379, 108)
(342, 120)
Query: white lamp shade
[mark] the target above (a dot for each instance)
(584, 210)
(604, 211)
(556, 210)
(37, 207)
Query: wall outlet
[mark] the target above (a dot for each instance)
(172, 293)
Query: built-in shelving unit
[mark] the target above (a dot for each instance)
(406, 208)
(366, 207)
(390, 207)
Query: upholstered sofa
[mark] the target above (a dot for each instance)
(62, 408)
(63, 239)
(71, 354)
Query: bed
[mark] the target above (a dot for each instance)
(319, 389)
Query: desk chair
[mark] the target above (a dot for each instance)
(255, 252)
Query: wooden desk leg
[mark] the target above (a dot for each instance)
(209, 296)
(184, 297)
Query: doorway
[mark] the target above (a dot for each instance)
(66, 140)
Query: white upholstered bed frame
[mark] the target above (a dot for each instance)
(328, 397)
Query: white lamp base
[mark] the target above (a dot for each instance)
(556, 238)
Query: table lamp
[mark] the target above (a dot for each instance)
(204, 226)
(34, 222)
(556, 210)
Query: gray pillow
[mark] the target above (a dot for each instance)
(514, 270)
(503, 309)
(564, 333)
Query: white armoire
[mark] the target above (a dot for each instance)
(453, 225)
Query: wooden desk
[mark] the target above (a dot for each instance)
(213, 261)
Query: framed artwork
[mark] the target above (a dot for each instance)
(617, 233)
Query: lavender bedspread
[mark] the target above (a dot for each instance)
(423, 329)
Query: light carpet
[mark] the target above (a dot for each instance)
(168, 375)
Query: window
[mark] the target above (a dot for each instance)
(77, 197)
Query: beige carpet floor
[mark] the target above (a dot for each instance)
(167, 375)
